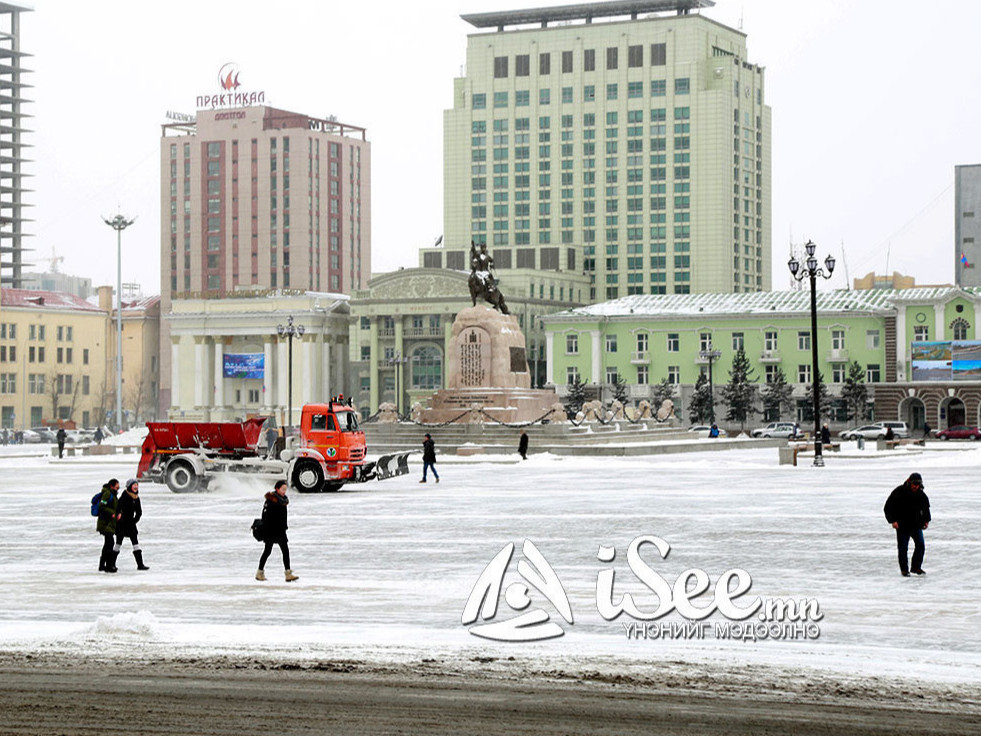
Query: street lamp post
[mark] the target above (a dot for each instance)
(398, 360)
(289, 331)
(119, 223)
(811, 271)
(710, 355)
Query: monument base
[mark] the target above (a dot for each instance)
(508, 405)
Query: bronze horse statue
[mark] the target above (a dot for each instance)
(482, 282)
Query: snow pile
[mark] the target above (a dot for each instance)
(134, 436)
(134, 625)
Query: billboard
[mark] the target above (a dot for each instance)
(958, 360)
(244, 365)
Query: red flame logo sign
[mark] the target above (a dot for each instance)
(228, 77)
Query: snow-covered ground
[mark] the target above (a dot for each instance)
(386, 569)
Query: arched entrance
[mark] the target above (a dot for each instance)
(952, 412)
(913, 412)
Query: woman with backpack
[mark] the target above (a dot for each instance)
(108, 510)
(130, 512)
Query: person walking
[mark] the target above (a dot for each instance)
(825, 435)
(523, 446)
(429, 458)
(274, 525)
(106, 524)
(61, 436)
(908, 510)
(130, 513)
(98, 436)
(926, 431)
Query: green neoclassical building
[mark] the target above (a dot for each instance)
(918, 347)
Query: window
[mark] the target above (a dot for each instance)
(480, 101)
(921, 333)
(837, 339)
(737, 341)
(643, 375)
(566, 62)
(612, 58)
(589, 60)
(500, 99)
(673, 342)
(872, 340)
(572, 344)
(872, 373)
(659, 54)
(427, 368)
(658, 89)
(960, 328)
(771, 372)
(838, 373)
(544, 64)
(611, 343)
(682, 86)
(674, 374)
(522, 65)
(770, 340)
(804, 373)
(571, 374)
(803, 340)
(705, 341)
(500, 67)
(635, 56)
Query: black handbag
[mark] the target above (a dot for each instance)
(257, 530)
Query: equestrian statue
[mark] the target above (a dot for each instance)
(483, 283)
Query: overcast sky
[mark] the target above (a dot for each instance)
(874, 103)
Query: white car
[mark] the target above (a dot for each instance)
(876, 431)
(787, 430)
(703, 430)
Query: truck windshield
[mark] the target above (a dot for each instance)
(348, 421)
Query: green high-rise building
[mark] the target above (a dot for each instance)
(634, 131)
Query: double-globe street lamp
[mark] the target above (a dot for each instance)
(289, 331)
(811, 271)
(710, 355)
(119, 223)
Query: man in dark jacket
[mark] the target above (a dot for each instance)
(106, 524)
(274, 526)
(61, 436)
(429, 458)
(908, 510)
(130, 513)
(523, 446)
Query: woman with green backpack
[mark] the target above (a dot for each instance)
(106, 525)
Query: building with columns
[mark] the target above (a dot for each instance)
(229, 362)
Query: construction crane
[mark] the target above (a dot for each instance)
(55, 260)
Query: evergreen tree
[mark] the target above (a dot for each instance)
(660, 392)
(777, 397)
(619, 389)
(856, 393)
(824, 401)
(575, 397)
(740, 393)
(700, 406)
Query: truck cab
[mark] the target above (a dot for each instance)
(331, 448)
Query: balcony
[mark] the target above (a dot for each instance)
(422, 332)
(770, 356)
(838, 355)
(640, 357)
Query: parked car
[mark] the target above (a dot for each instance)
(959, 433)
(703, 430)
(787, 430)
(30, 436)
(876, 431)
(45, 434)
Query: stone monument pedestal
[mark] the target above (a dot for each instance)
(486, 368)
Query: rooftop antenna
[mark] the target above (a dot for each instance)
(741, 9)
(888, 249)
(844, 263)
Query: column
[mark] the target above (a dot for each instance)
(175, 371)
(374, 366)
(597, 357)
(902, 346)
(306, 369)
(549, 361)
(326, 389)
(200, 371)
(939, 326)
(219, 399)
(267, 374)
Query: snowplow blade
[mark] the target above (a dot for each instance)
(389, 466)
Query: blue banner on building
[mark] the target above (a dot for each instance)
(244, 365)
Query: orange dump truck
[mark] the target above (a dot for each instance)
(330, 452)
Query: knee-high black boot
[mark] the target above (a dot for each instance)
(138, 554)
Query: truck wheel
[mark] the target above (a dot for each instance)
(181, 477)
(308, 476)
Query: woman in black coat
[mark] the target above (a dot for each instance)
(274, 526)
(130, 513)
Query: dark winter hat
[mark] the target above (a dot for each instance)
(915, 478)
(130, 483)
(428, 436)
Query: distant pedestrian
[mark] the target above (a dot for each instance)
(523, 446)
(908, 510)
(890, 435)
(106, 525)
(130, 513)
(98, 435)
(825, 435)
(429, 458)
(714, 431)
(274, 526)
(61, 437)
(926, 431)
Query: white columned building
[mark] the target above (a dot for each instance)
(228, 361)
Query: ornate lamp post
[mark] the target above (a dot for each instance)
(289, 331)
(119, 223)
(398, 360)
(811, 271)
(710, 355)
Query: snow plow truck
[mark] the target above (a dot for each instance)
(329, 452)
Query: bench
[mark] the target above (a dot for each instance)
(883, 444)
